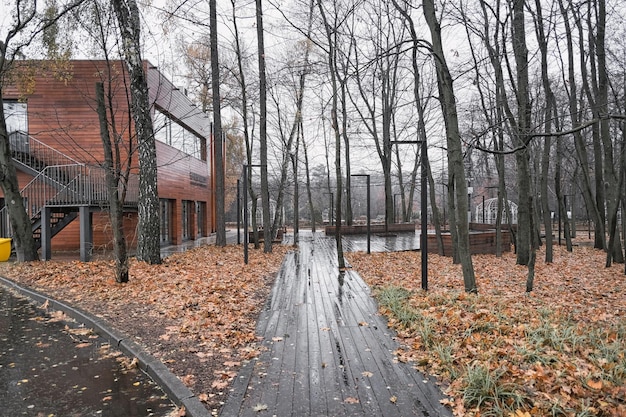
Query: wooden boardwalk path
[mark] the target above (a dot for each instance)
(328, 351)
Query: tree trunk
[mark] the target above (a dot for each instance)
(246, 132)
(296, 189)
(113, 177)
(265, 195)
(581, 150)
(218, 138)
(148, 243)
(308, 183)
(545, 160)
(455, 154)
(614, 250)
(332, 65)
(524, 209)
(23, 240)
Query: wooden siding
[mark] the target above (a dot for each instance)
(187, 179)
(61, 113)
(481, 242)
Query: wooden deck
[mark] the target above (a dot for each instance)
(328, 351)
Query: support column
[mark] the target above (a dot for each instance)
(86, 233)
(46, 234)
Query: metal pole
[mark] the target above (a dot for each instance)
(424, 208)
(238, 211)
(395, 208)
(369, 218)
(483, 209)
(332, 208)
(245, 214)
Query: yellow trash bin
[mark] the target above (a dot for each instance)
(5, 249)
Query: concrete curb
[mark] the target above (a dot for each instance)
(171, 385)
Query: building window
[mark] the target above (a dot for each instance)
(16, 116)
(200, 217)
(170, 132)
(166, 221)
(188, 214)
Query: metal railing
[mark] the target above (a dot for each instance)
(60, 180)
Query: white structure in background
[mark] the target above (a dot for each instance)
(491, 211)
(259, 213)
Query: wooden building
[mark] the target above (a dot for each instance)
(54, 133)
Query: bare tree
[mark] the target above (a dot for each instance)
(455, 155)
(265, 195)
(331, 39)
(27, 25)
(115, 187)
(148, 244)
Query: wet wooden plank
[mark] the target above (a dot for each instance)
(336, 354)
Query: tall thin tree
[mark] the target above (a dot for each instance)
(265, 196)
(218, 139)
(148, 243)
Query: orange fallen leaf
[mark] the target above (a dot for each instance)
(593, 384)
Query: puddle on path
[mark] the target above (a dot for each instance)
(53, 368)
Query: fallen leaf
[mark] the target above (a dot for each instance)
(81, 331)
(220, 384)
(367, 374)
(188, 380)
(595, 384)
(351, 400)
(260, 407)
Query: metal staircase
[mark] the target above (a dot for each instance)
(59, 183)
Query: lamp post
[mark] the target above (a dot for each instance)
(238, 211)
(395, 208)
(369, 231)
(423, 207)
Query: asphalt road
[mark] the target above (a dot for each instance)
(50, 367)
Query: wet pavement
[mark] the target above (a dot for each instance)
(50, 367)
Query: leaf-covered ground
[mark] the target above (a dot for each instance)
(558, 351)
(196, 312)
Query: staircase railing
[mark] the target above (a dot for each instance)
(60, 180)
(36, 154)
